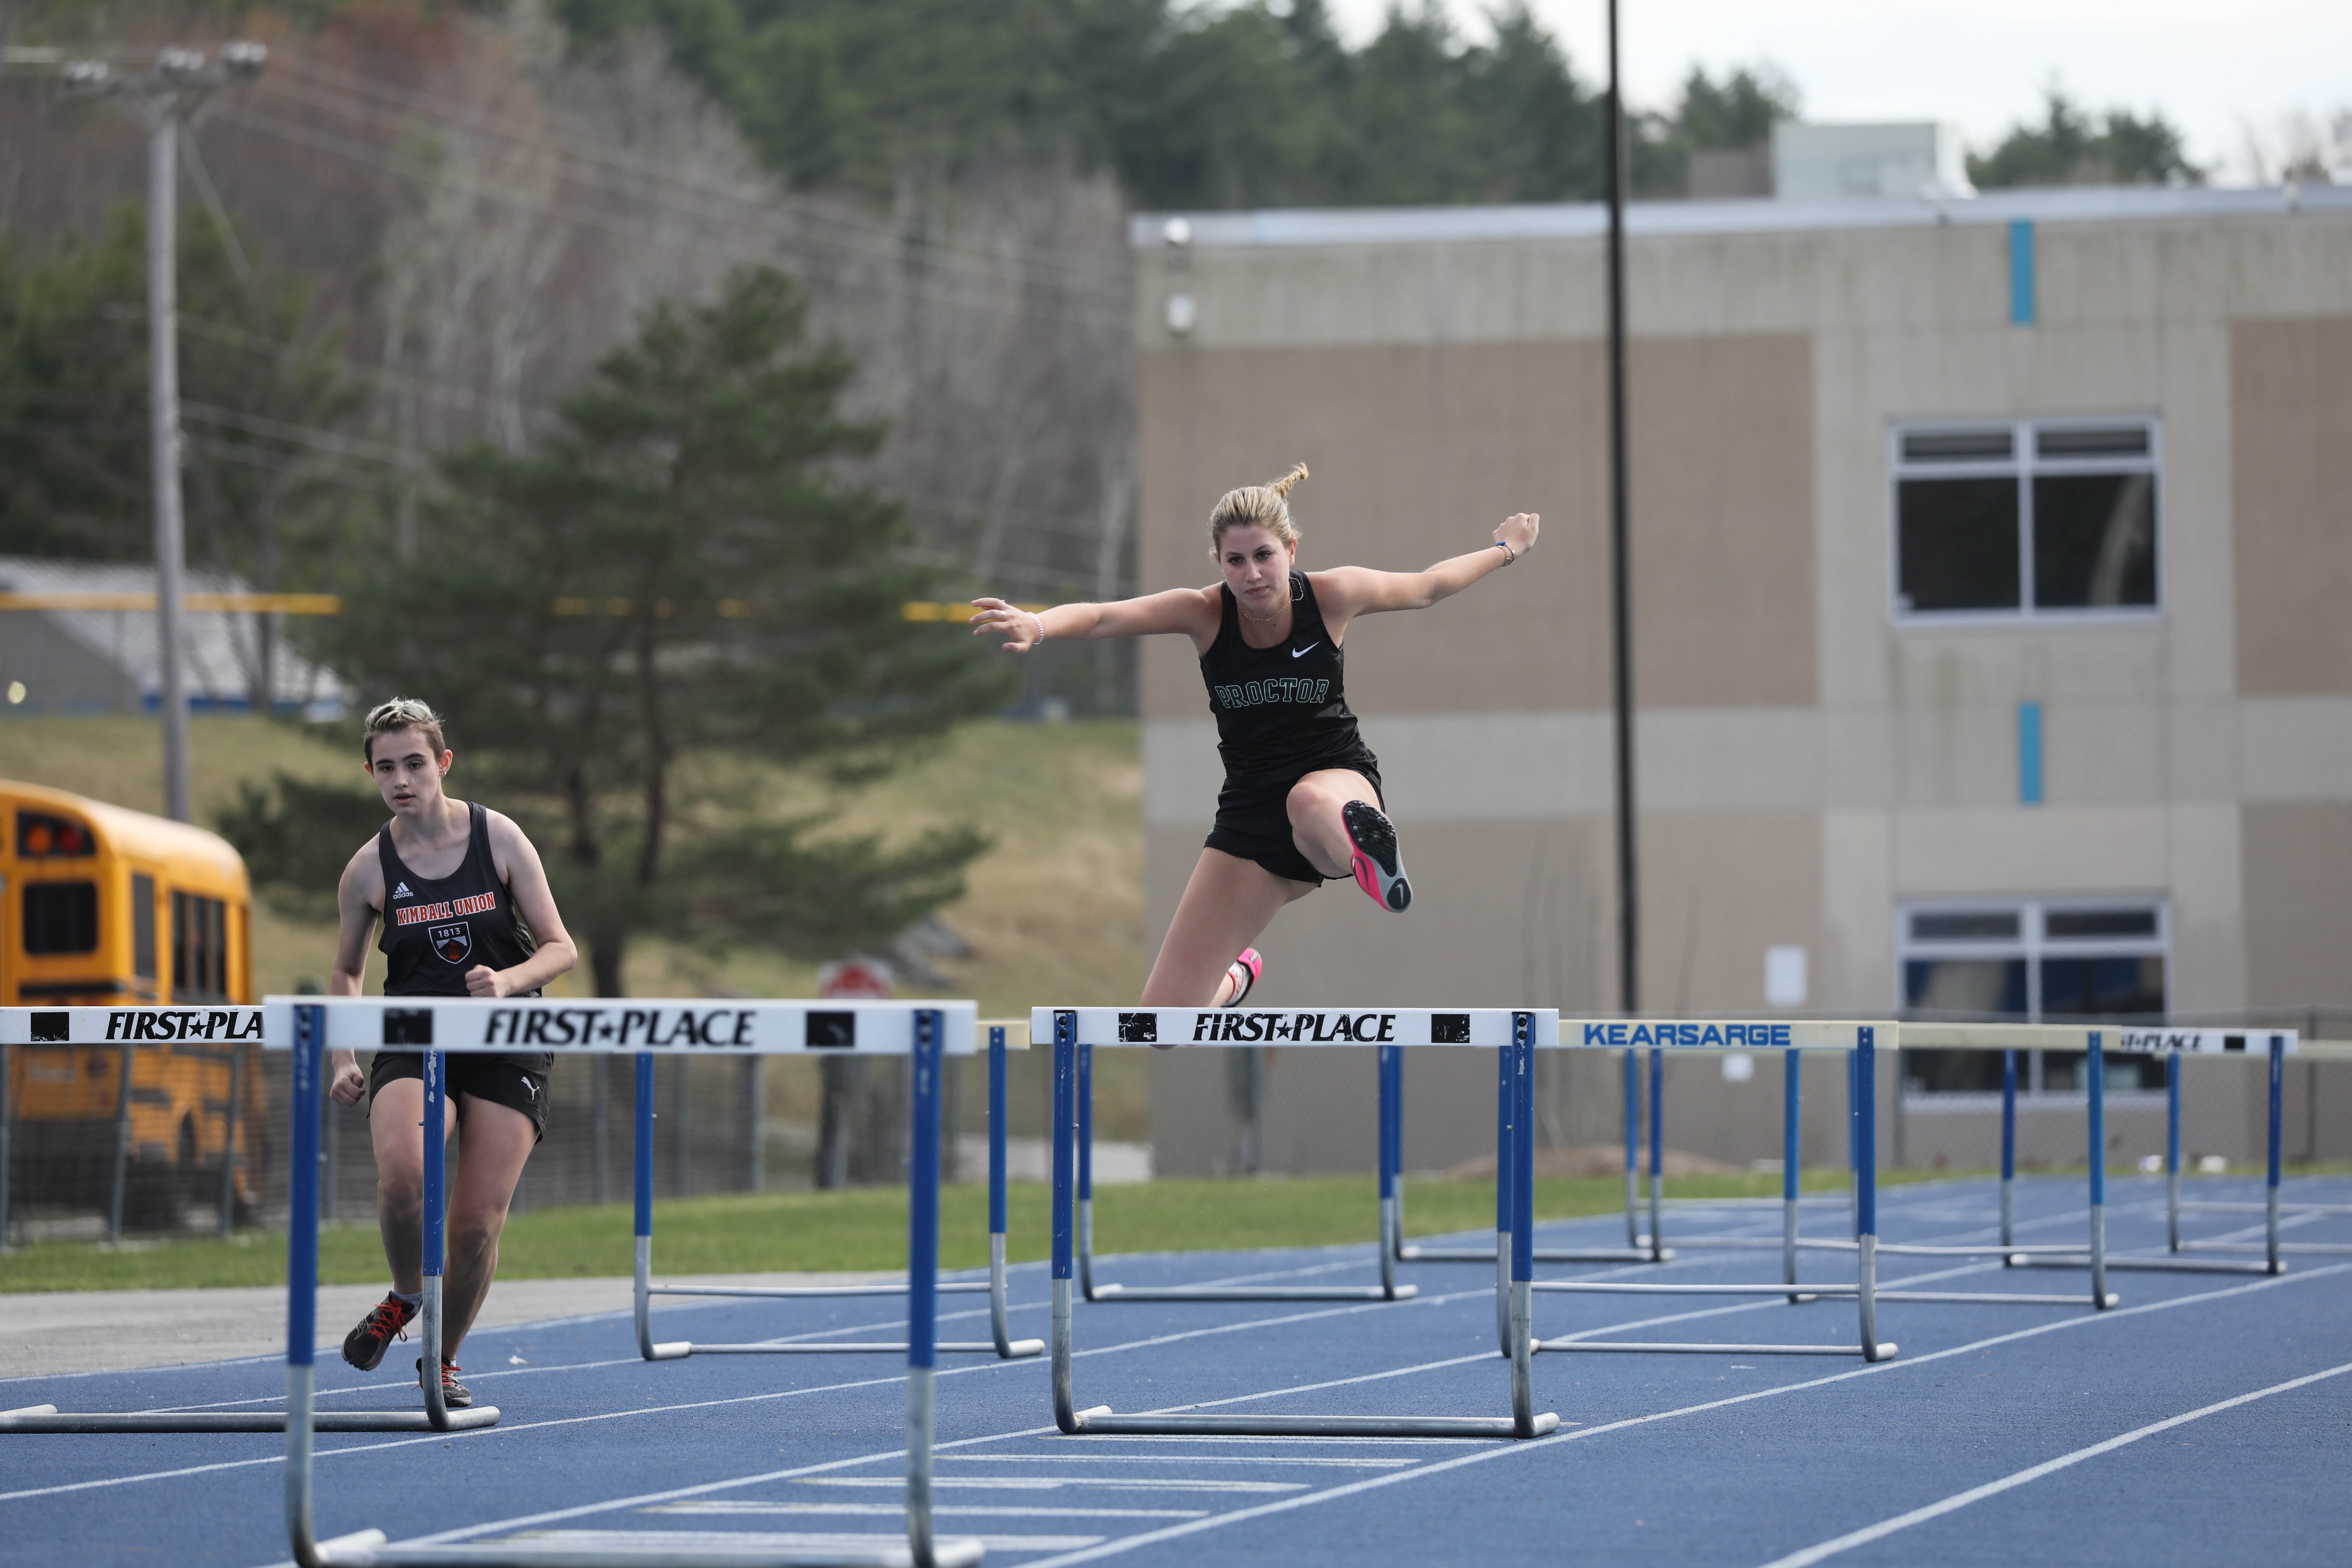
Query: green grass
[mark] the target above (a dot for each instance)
(865, 1228)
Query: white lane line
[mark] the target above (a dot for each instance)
(1056, 1483)
(1150, 1343)
(1330, 1462)
(1958, 1501)
(1153, 1537)
(741, 1543)
(720, 1508)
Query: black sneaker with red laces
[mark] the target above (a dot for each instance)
(387, 1321)
(455, 1395)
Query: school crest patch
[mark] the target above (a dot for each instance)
(453, 941)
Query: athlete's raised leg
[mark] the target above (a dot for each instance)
(497, 1140)
(1225, 905)
(1336, 823)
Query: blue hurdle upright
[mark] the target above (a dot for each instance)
(1001, 1342)
(1638, 1248)
(1077, 1029)
(52, 1026)
(921, 1030)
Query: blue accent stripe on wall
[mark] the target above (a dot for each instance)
(2028, 753)
(2020, 273)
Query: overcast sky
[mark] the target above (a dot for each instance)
(2211, 69)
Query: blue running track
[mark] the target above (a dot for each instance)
(2207, 1420)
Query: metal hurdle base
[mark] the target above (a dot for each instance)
(639, 1548)
(1641, 1253)
(47, 1419)
(2149, 1264)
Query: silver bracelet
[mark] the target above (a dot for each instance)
(1511, 556)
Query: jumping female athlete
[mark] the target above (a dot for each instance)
(466, 912)
(1302, 799)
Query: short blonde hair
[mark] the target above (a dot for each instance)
(1256, 506)
(400, 713)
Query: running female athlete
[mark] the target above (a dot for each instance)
(465, 911)
(1302, 799)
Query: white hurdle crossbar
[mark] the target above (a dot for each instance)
(1001, 1342)
(99, 1025)
(924, 1030)
(1516, 1034)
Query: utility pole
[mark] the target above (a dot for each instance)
(1621, 575)
(162, 99)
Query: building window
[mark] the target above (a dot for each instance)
(2027, 519)
(2031, 961)
(60, 918)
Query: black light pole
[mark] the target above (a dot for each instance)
(1620, 593)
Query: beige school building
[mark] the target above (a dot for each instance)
(1991, 563)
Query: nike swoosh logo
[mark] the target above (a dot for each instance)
(1311, 647)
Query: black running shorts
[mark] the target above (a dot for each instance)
(1254, 818)
(517, 1082)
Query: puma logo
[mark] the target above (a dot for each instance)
(1311, 647)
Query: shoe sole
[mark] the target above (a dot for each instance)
(373, 1361)
(1378, 871)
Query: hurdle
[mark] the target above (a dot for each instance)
(49, 1026)
(1514, 1033)
(1790, 1038)
(923, 1030)
(1001, 1342)
(2271, 1208)
(1638, 1248)
(2277, 1045)
(1387, 1290)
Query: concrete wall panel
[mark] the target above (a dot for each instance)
(2290, 386)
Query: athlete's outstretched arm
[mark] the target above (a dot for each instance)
(1191, 611)
(1347, 591)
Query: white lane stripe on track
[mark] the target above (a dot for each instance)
(1958, 1501)
(586, 1510)
(1151, 1342)
(1237, 1516)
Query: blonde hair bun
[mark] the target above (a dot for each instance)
(1256, 506)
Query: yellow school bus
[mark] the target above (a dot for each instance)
(104, 907)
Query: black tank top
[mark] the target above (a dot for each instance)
(436, 930)
(1281, 710)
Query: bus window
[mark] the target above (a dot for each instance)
(143, 926)
(199, 948)
(60, 917)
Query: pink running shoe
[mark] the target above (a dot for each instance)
(1244, 972)
(1378, 871)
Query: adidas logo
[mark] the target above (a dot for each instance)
(402, 893)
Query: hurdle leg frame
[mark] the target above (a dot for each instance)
(302, 1290)
(2173, 1260)
(999, 1342)
(1863, 1291)
(1637, 1248)
(1524, 1421)
(369, 1548)
(1083, 1097)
